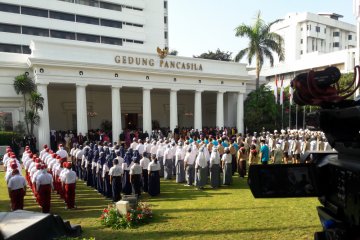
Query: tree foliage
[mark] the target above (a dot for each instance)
(260, 110)
(262, 44)
(218, 55)
(33, 101)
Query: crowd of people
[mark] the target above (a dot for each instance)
(194, 158)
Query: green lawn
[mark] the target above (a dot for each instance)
(184, 212)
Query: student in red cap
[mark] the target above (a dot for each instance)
(69, 181)
(44, 184)
(17, 190)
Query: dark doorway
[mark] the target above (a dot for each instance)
(131, 120)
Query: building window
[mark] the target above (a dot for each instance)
(10, 48)
(87, 38)
(62, 16)
(349, 37)
(317, 29)
(165, 4)
(9, 8)
(93, 3)
(301, 41)
(324, 30)
(6, 121)
(62, 34)
(34, 12)
(88, 20)
(112, 41)
(165, 19)
(336, 34)
(10, 28)
(301, 52)
(110, 6)
(35, 31)
(26, 49)
(111, 23)
(336, 44)
(166, 35)
(308, 27)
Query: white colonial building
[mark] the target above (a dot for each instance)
(313, 41)
(94, 61)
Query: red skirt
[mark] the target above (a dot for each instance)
(70, 195)
(17, 199)
(44, 194)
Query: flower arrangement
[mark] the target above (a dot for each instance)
(110, 217)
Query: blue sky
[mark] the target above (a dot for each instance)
(196, 26)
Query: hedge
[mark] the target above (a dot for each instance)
(6, 137)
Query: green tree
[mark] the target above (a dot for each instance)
(173, 52)
(261, 110)
(36, 103)
(218, 55)
(24, 85)
(33, 101)
(262, 44)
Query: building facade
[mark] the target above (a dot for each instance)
(313, 41)
(89, 72)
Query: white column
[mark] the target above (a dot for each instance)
(116, 113)
(220, 110)
(44, 125)
(198, 111)
(240, 113)
(81, 110)
(147, 126)
(357, 54)
(173, 109)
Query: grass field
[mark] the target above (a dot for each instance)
(184, 212)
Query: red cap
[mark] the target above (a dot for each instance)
(38, 166)
(14, 165)
(45, 145)
(47, 149)
(54, 155)
(43, 166)
(68, 165)
(8, 150)
(58, 157)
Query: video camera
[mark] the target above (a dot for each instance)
(333, 177)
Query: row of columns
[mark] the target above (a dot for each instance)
(81, 111)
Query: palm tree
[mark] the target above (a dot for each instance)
(262, 44)
(36, 103)
(24, 85)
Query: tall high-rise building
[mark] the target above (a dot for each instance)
(132, 25)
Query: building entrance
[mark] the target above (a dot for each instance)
(131, 121)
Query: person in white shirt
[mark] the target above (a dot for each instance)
(214, 165)
(44, 184)
(201, 169)
(168, 162)
(144, 163)
(189, 164)
(140, 147)
(115, 173)
(78, 158)
(62, 152)
(135, 178)
(160, 157)
(154, 178)
(69, 181)
(133, 145)
(17, 190)
(227, 167)
(43, 151)
(179, 163)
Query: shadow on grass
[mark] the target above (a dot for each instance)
(163, 234)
